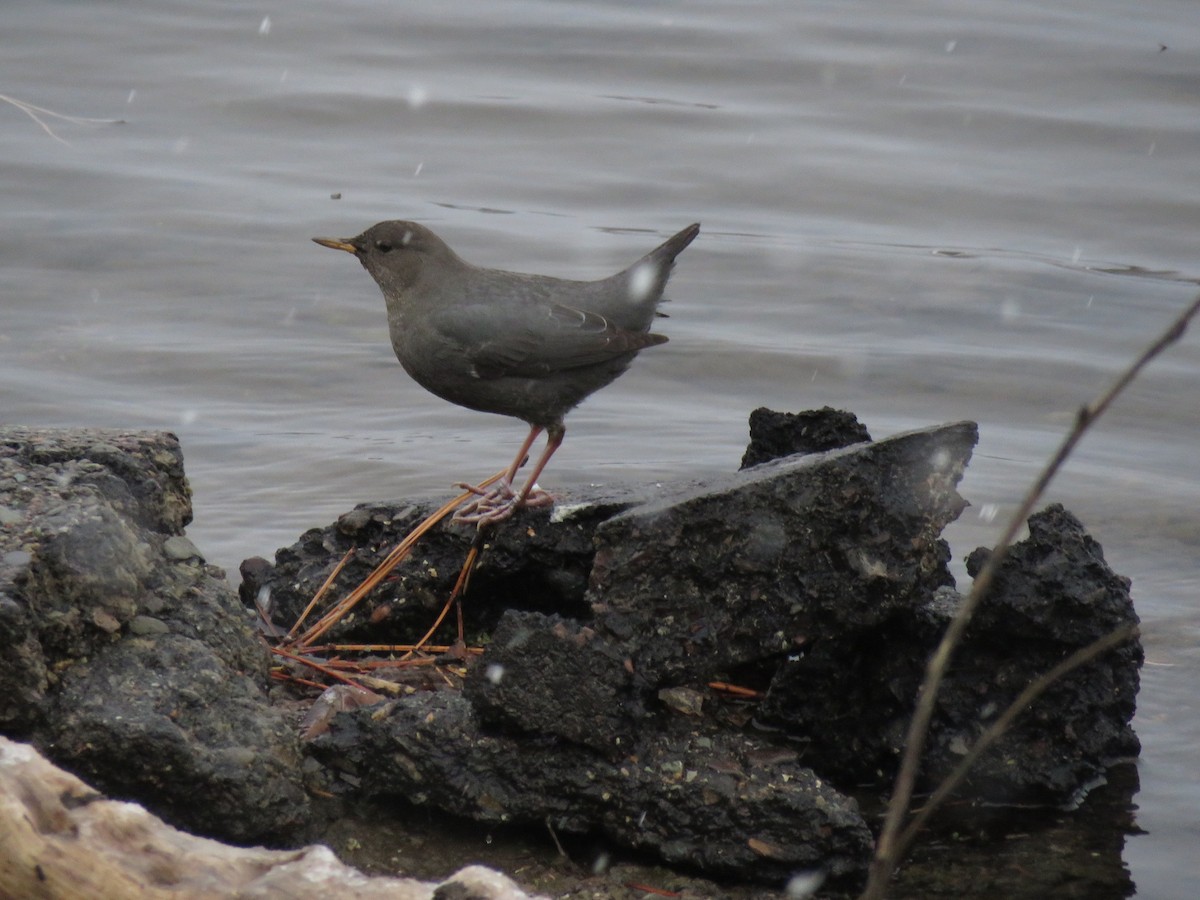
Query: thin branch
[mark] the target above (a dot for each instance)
(886, 850)
(996, 730)
(313, 664)
(337, 570)
(459, 586)
(36, 113)
(393, 559)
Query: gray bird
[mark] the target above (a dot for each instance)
(527, 346)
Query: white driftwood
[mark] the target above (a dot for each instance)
(61, 840)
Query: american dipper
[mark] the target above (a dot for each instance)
(528, 346)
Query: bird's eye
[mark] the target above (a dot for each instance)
(383, 246)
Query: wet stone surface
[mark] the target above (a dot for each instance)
(816, 582)
(124, 660)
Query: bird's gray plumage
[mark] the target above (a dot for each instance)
(528, 346)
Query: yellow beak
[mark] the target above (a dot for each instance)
(337, 244)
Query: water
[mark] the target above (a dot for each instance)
(919, 212)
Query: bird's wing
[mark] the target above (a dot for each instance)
(535, 341)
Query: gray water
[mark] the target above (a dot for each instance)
(920, 212)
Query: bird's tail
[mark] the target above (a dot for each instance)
(672, 247)
(647, 277)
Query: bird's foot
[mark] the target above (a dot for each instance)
(497, 503)
(479, 491)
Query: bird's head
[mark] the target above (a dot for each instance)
(396, 253)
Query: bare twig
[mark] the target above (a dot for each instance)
(459, 586)
(553, 834)
(337, 570)
(36, 113)
(887, 849)
(313, 664)
(398, 554)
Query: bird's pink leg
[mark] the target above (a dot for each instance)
(531, 494)
(500, 501)
(503, 487)
(534, 431)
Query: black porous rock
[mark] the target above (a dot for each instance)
(821, 579)
(760, 564)
(539, 560)
(1054, 594)
(777, 434)
(1054, 584)
(536, 661)
(744, 571)
(738, 573)
(725, 804)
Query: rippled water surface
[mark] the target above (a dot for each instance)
(918, 212)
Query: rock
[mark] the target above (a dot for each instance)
(179, 548)
(817, 583)
(777, 434)
(549, 675)
(765, 561)
(165, 721)
(737, 573)
(121, 654)
(700, 582)
(821, 579)
(1054, 594)
(540, 560)
(717, 803)
(1054, 585)
(142, 625)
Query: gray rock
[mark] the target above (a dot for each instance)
(148, 625)
(121, 654)
(163, 720)
(180, 548)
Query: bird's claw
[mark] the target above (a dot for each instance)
(498, 503)
(482, 491)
